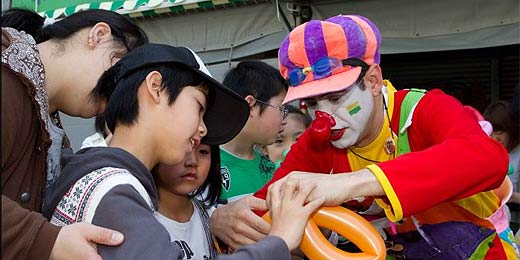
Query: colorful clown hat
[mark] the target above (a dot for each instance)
(320, 57)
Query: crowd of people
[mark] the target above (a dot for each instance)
(184, 167)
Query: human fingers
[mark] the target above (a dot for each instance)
(257, 223)
(256, 203)
(72, 243)
(304, 191)
(276, 185)
(312, 205)
(244, 234)
(273, 196)
(100, 235)
(289, 190)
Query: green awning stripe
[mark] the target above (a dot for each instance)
(128, 6)
(117, 5)
(177, 8)
(95, 6)
(148, 13)
(207, 4)
(70, 10)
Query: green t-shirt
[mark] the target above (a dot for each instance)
(241, 177)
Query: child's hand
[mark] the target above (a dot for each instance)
(288, 210)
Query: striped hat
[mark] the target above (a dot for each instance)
(340, 37)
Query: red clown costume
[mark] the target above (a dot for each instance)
(444, 182)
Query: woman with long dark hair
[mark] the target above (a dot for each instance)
(50, 66)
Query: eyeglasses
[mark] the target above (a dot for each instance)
(283, 110)
(324, 68)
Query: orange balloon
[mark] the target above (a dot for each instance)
(347, 223)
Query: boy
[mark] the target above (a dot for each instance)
(244, 170)
(155, 114)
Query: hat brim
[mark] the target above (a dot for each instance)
(226, 114)
(334, 83)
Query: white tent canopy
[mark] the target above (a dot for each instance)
(405, 25)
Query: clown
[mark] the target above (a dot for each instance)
(415, 162)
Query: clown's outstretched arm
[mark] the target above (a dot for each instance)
(340, 187)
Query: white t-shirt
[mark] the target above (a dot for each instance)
(94, 140)
(189, 236)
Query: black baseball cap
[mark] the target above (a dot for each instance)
(226, 113)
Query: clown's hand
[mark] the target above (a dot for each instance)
(338, 188)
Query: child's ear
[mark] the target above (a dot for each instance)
(251, 101)
(153, 85)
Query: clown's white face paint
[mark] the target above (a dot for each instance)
(351, 109)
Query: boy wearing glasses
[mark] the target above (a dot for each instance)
(416, 162)
(244, 170)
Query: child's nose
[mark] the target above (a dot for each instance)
(191, 159)
(203, 130)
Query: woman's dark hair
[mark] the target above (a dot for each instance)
(23, 20)
(503, 118)
(213, 182)
(306, 119)
(255, 78)
(124, 30)
(123, 107)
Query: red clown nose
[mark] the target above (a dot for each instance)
(321, 128)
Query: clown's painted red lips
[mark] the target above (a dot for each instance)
(336, 134)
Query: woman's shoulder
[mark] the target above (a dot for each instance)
(11, 37)
(21, 55)
(6, 38)
(22, 66)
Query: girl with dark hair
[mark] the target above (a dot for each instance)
(46, 69)
(186, 192)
